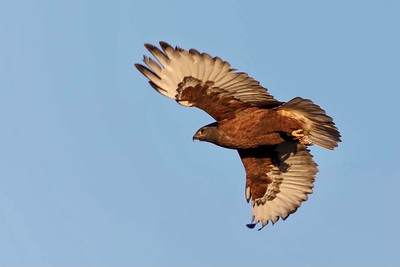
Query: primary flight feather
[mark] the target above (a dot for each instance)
(270, 136)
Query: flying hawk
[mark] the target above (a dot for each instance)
(270, 136)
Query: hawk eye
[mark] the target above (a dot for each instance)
(201, 131)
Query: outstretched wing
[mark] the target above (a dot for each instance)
(278, 180)
(197, 79)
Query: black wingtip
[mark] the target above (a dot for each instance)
(251, 225)
(149, 46)
(194, 52)
(141, 68)
(164, 45)
(145, 71)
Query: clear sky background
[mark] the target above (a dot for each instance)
(97, 169)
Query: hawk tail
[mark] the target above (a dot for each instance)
(318, 128)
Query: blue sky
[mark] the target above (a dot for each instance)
(97, 169)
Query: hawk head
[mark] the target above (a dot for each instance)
(208, 133)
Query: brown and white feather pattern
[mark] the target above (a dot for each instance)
(290, 174)
(318, 128)
(175, 64)
(270, 136)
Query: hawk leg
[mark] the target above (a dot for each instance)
(299, 134)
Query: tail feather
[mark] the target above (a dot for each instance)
(318, 127)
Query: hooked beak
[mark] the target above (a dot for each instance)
(195, 137)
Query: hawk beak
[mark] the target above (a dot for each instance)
(195, 137)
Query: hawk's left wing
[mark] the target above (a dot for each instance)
(197, 79)
(278, 180)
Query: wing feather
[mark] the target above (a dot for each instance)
(218, 68)
(289, 171)
(216, 83)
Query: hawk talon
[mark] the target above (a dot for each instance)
(298, 133)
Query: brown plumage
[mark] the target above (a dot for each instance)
(270, 136)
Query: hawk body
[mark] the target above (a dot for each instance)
(240, 133)
(270, 136)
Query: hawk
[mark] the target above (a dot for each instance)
(270, 136)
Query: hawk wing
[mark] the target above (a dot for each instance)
(197, 79)
(278, 180)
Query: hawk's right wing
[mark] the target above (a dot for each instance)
(278, 180)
